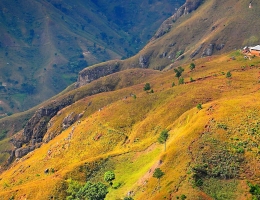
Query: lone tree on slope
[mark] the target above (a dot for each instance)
(158, 173)
(163, 138)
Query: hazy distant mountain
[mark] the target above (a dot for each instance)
(45, 43)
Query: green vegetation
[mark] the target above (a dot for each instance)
(163, 138)
(91, 191)
(3, 134)
(183, 197)
(147, 87)
(228, 74)
(128, 198)
(255, 191)
(199, 106)
(219, 189)
(109, 176)
(192, 66)
(178, 72)
(158, 173)
(179, 53)
(181, 80)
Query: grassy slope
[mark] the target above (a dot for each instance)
(213, 22)
(128, 129)
(43, 41)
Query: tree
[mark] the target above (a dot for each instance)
(158, 173)
(178, 71)
(228, 75)
(181, 81)
(109, 176)
(93, 191)
(147, 87)
(192, 66)
(163, 138)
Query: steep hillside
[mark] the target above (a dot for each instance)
(203, 96)
(197, 29)
(44, 44)
(215, 110)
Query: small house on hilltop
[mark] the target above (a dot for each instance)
(255, 50)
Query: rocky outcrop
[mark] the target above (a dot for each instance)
(208, 51)
(90, 74)
(35, 129)
(188, 7)
(143, 61)
(70, 119)
(194, 53)
(220, 46)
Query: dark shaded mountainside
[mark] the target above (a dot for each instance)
(45, 43)
(107, 121)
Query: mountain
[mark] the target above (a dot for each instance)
(115, 118)
(188, 35)
(45, 43)
(209, 146)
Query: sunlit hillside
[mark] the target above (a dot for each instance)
(211, 152)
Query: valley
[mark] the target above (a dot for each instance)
(177, 120)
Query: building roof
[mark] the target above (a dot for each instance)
(257, 48)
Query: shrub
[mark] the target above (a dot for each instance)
(181, 81)
(228, 75)
(178, 71)
(147, 87)
(254, 190)
(128, 198)
(109, 176)
(192, 66)
(91, 191)
(199, 106)
(179, 53)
